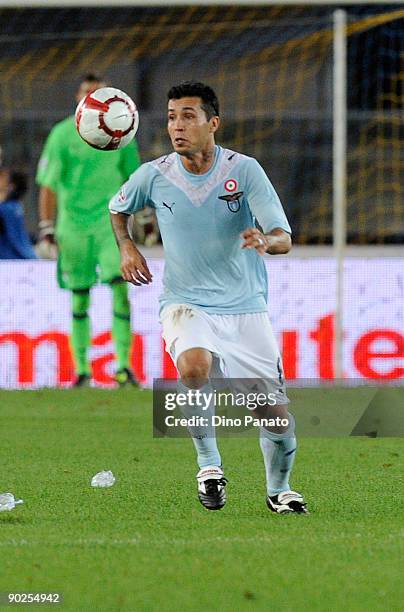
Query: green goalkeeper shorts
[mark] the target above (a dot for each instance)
(86, 257)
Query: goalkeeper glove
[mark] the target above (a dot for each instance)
(46, 247)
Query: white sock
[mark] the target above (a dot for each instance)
(279, 452)
(203, 437)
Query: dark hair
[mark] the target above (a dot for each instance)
(92, 78)
(210, 103)
(19, 182)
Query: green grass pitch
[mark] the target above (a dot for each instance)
(146, 544)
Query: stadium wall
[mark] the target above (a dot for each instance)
(35, 321)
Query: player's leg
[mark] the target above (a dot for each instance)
(279, 452)
(108, 258)
(121, 332)
(256, 355)
(194, 368)
(278, 443)
(77, 272)
(81, 334)
(191, 344)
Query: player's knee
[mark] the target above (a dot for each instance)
(283, 421)
(80, 303)
(194, 367)
(120, 296)
(286, 424)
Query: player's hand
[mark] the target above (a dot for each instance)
(134, 266)
(254, 239)
(47, 231)
(46, 247)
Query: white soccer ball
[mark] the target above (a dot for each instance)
(107, 119)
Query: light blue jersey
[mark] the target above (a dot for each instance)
(200, 219)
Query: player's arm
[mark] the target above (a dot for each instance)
(134, 267)
(47, 214)
(266, 207)
(48, 176)
(133, 196)
(275, 242)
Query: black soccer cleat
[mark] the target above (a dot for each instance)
(82, 380)
(287, 502)
(125, 377)
(211, 484)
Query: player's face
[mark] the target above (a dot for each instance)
(188, 126)
(87, 87)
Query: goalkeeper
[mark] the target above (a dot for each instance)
(77, 181)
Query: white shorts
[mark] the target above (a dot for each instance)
(243, 345)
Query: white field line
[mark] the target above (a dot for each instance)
(142, 540)
(135, 541)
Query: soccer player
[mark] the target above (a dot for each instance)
(77, 181)
(208, 201)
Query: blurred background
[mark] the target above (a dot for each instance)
(272, 68)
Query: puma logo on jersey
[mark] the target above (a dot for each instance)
(169, 206)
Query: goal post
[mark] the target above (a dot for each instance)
(339, 177)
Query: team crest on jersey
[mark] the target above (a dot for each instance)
(231, 185)
(233, 197)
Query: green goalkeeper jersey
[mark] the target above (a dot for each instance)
(84, 179)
